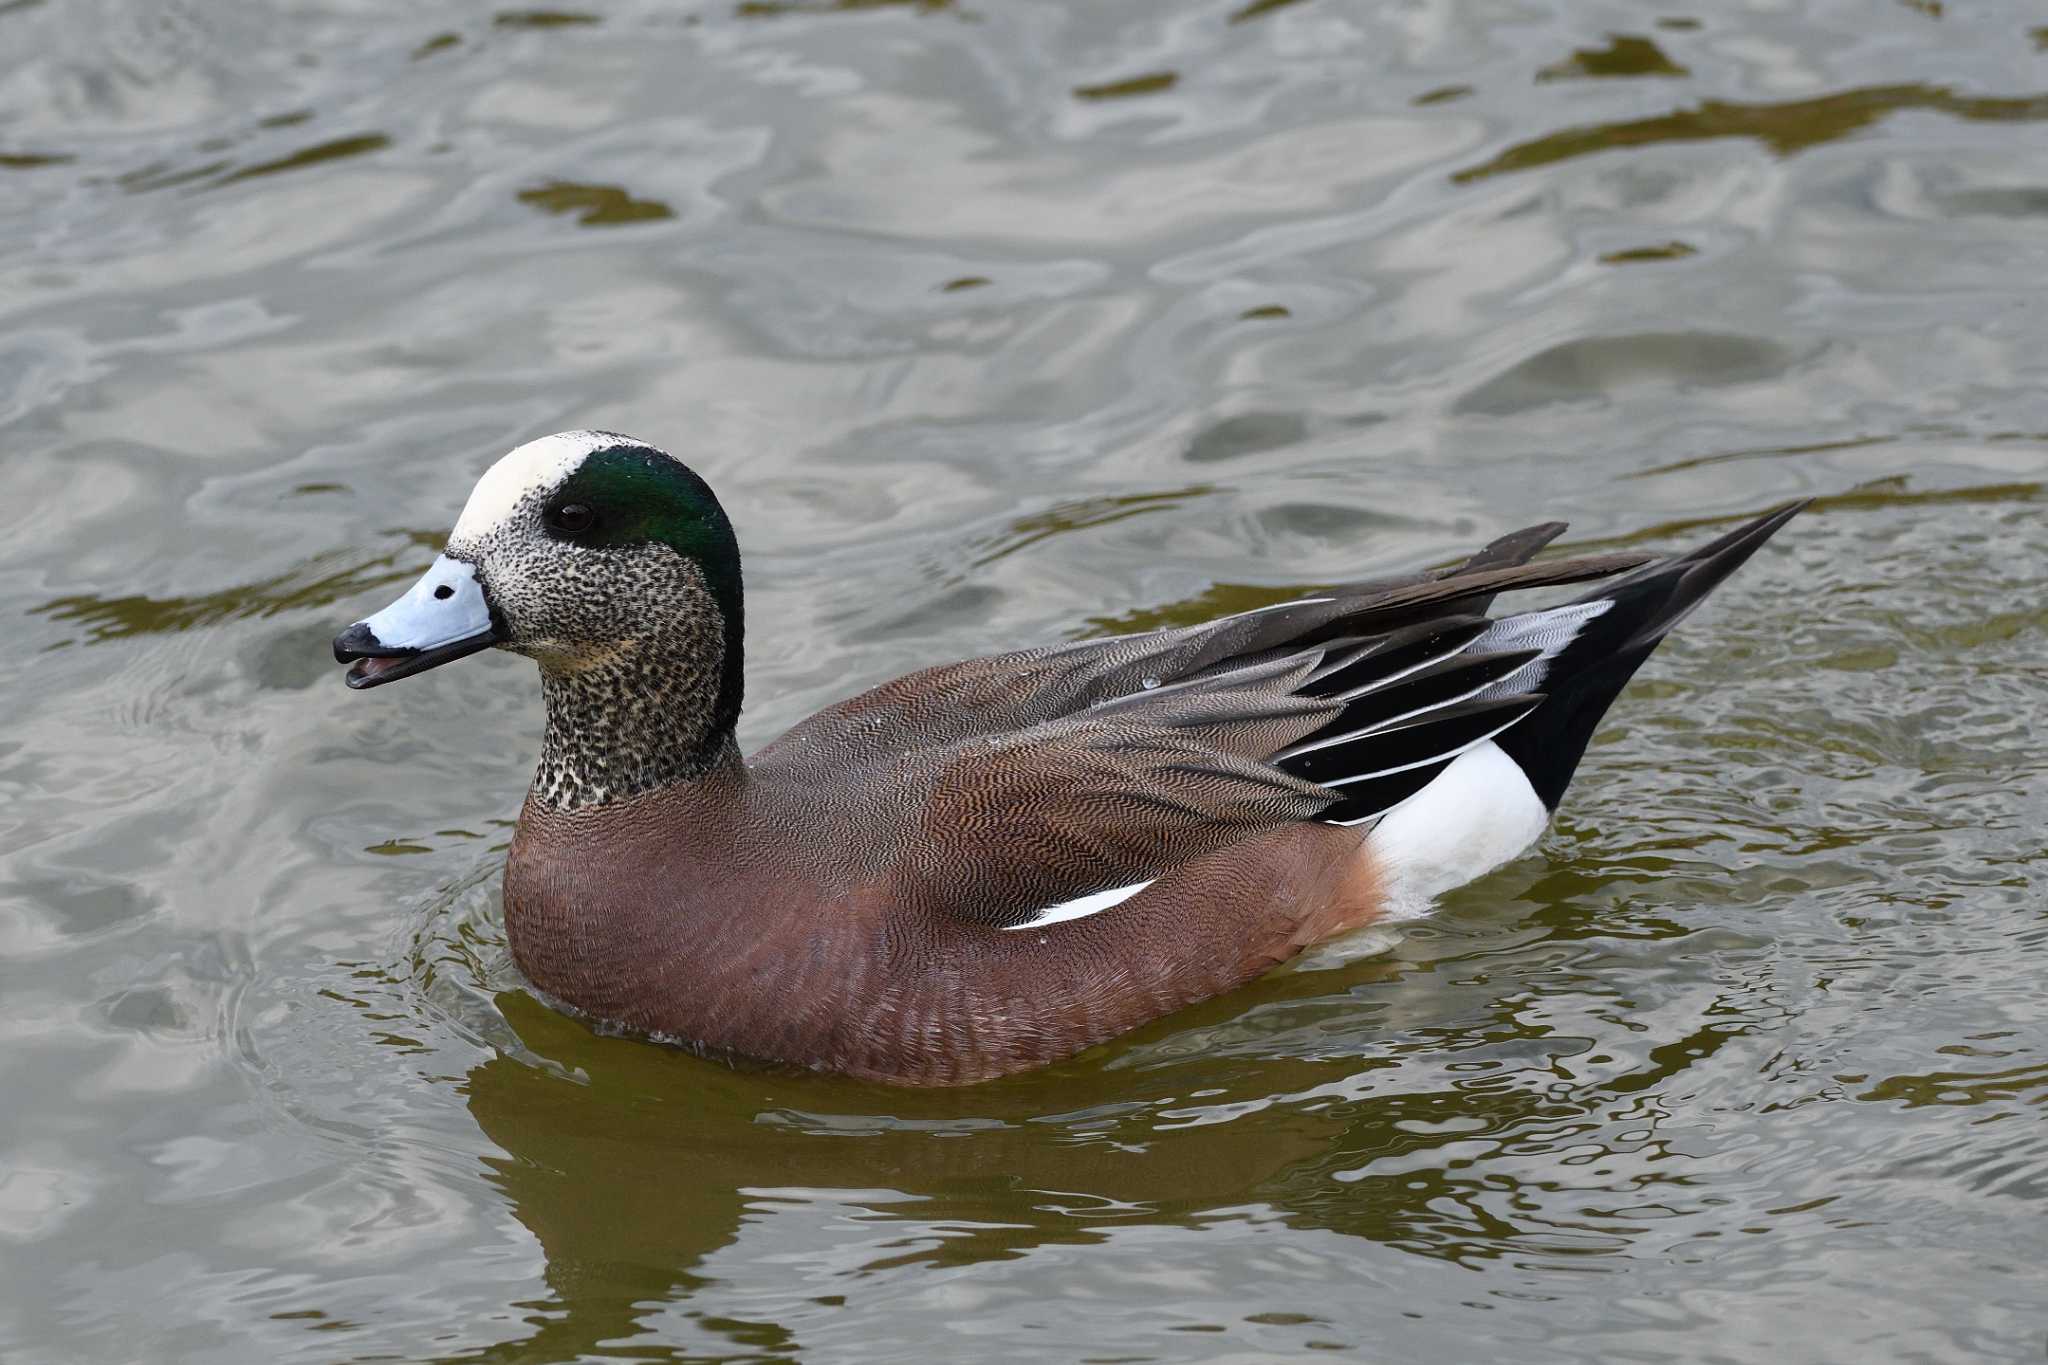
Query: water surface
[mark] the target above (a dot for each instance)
(997, 323)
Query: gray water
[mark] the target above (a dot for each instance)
(998, 323)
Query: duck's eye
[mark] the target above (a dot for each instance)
(572, 518)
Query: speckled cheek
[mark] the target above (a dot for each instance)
(528, 581)
(562, 604)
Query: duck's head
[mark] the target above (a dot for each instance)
(586, 551)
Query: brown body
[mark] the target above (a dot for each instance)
(688, 913)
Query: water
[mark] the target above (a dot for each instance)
(998, 323)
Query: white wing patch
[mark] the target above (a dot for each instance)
(537, 464)
(1081, 906)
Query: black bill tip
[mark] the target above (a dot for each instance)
(373, 663)
(357, 642)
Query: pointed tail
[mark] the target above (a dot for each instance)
(1584, 679)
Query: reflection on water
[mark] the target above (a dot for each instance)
(309, 156)
(595, 205)
(330, 577)
(1787, 128)
(1136, 85)
(760, 9)
(1624, 55)
(997, 324)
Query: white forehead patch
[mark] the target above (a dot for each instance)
(537, 464)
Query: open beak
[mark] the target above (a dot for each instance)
(443, 616)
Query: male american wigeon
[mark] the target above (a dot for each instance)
(990, 865)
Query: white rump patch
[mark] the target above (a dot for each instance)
(1476, 814)
(1081, 906)
(537, 464)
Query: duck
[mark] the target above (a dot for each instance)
(991, 865)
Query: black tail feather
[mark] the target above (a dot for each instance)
(1423, 739)
(1585, 678)
(1394, 654)
(1434, 687)
(1358, 766)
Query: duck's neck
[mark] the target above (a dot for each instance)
(633, 722)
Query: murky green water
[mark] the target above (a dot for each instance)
(998, 322)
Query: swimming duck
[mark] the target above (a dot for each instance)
(990, 865)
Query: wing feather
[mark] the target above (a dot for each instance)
(1074, 771)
